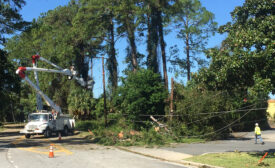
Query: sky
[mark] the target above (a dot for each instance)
(220, 8)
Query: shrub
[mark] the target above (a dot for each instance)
(141, 93)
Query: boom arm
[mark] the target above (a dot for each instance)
(20, 72)
(71, 73)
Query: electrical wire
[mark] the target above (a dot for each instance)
(221, 111)
(221, 129)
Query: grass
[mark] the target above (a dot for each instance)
(236, 160)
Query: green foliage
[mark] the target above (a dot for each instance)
(9, 88)
(10, 19)
(81, 103)
(246, 59)
(109, 135)
(89, 124)
(209, 114)
(141, 93)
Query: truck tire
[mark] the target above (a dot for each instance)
(72, 131)
(66, 131)
(27, 136)
(47, 133)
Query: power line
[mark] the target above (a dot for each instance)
(221, 129)
(229, 111)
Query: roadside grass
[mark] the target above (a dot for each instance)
(236, 159)
(120, 134)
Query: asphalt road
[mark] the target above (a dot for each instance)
(71, 152)
(244, 142)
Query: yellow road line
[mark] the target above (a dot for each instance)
(18, 140)
(33, 150)
(59, 149)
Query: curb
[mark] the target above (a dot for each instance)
(183, 162)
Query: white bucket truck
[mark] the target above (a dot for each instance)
(46, 123)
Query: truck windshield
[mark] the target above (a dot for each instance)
(38, 117)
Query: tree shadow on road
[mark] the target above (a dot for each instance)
(9, 133)
(271, 153)
(39, 140)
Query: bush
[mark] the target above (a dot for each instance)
(141, 93)
(89, 124)
(204, 113)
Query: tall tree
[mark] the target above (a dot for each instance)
(194, 24)
(10, 21)
(246, 59)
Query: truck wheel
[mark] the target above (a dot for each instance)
(47, 133)
(66, 131)
(27, 136)
(72, 131)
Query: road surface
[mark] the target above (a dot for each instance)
(70, 152)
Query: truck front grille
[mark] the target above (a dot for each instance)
(32, 127)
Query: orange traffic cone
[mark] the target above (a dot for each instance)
(51, 152)
(59, 136)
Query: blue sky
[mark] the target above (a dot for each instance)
(221, 9)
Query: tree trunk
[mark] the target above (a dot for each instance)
(162, 45)
(131, 38)
(188, 58)
(112, 62)
(152, 60)
(187, 53)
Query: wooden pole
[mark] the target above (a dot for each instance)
(171, 99)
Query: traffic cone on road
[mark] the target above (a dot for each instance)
(59, 136)
(51, 155)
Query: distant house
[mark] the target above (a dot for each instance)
(271, 109)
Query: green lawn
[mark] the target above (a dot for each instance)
(236, 160)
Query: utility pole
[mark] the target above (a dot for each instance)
(171, 99)
(104, 92)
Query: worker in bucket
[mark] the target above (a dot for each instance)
(258, 134)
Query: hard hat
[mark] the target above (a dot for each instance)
(256, 124)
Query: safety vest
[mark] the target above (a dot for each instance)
(257, 131)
